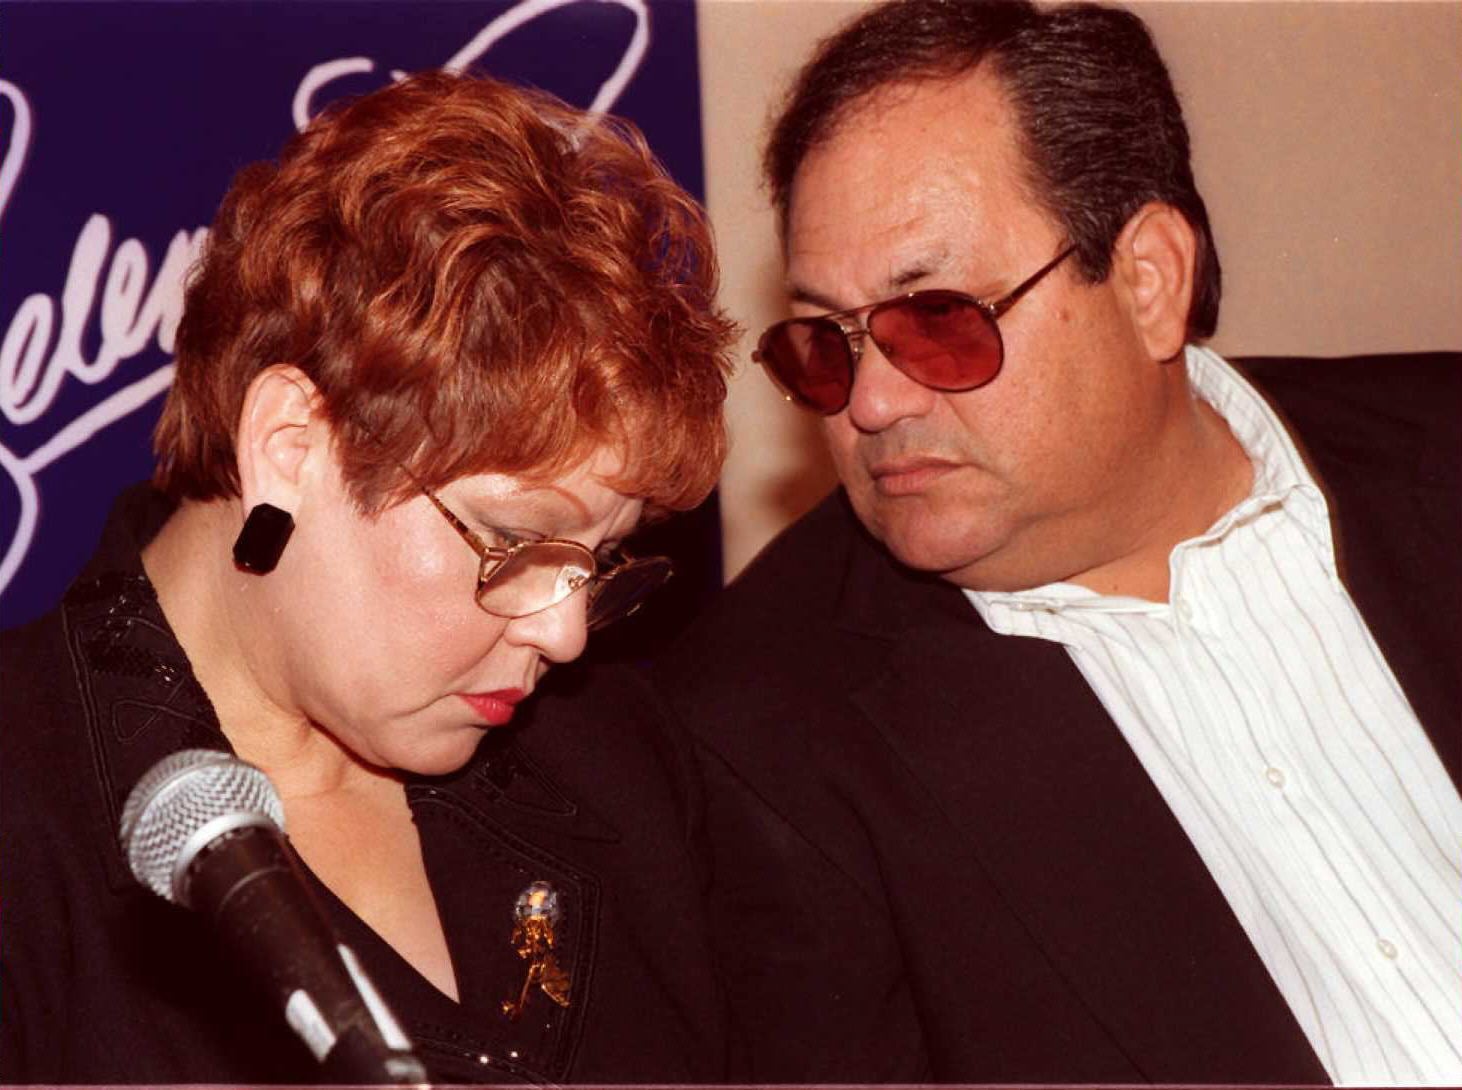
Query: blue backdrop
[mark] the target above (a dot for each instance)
(122, 124)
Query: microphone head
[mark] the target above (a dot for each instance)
(185, 802)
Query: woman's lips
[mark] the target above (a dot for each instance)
(494, 708)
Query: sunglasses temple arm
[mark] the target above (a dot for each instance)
(1000, 306)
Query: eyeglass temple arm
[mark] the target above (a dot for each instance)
(1000, 306)
(475, 543)
(482, 548)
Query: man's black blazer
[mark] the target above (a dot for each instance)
(936, 858)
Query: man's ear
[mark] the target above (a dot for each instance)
(280, 427)
(1154, 260)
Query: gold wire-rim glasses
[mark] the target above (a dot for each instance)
(613, 595)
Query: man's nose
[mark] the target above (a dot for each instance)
(558, 633)
(882, 395)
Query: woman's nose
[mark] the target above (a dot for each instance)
(559, 632)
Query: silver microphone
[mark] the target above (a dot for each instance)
(204, 830)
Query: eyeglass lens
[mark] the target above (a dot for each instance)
(624, 590)
(943, 339)
(940, 338)
(812, 360)
(538, 576)
(532, 578)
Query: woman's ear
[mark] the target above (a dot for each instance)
(1154, 260)
(280, 428)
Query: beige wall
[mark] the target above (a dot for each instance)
(1328, 145)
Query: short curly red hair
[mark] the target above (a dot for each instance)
(478, 278)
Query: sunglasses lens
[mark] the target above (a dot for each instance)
(535, 577)
(810, 359)
(625, 589)
(943, 339)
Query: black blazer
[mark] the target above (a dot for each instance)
(101, 981)
(935, 856)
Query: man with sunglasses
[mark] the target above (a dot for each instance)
(1060, 745)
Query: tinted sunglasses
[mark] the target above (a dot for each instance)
(945, 340)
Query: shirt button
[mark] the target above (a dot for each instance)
(1387, 948)
(1274, 776)
(1185, 611)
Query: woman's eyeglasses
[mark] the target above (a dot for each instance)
(536, 575)
(946, 340)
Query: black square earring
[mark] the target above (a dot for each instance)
(261, 542)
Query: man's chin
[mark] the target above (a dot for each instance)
(934, 553)
(932, 531)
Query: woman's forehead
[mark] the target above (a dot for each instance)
(577, 498)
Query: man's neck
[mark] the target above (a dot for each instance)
(1191, 473)
(1204, 473)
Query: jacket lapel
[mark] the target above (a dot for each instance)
(1386, 459)
(1400, 563)
(1040, 793)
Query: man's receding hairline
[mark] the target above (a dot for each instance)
(948, 71)
(957, 69)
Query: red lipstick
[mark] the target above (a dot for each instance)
(494, 708)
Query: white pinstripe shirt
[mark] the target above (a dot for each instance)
(1264, 712)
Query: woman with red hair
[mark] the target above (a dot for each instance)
(435, 366)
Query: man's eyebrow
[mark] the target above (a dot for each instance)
(796, 294)
(897, 283)
(909, 277)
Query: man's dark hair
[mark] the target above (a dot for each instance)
(1100, 124)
